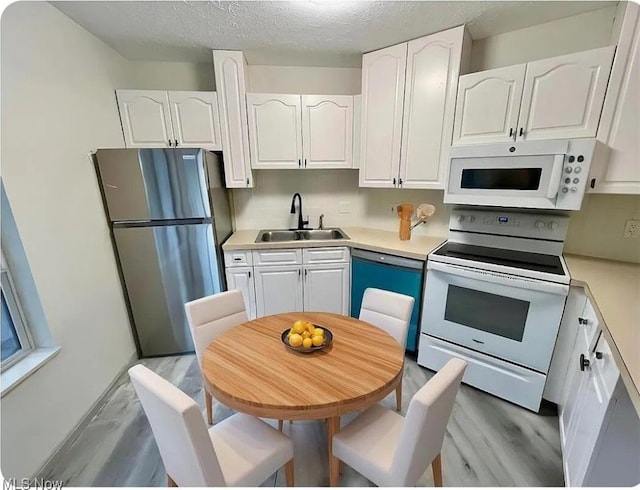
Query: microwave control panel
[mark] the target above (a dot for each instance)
(575, 174)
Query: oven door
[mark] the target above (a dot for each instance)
(506, 316)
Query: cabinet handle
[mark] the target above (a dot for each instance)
(305, 163)
(521, 131)
(394, 181)
(400, 182)
(170, 143)
(175, 142)
(299, 272)
(249, 273)
(247, 181)
(306, 271)
(511, 135)
(299, 163)
(584, 362)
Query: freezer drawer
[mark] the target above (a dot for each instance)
(163, 267)
(397, 274)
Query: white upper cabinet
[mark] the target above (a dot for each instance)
(488, 105)
(159, 119)
(275, 131)
(433, 65)
(230, 72)
(555, 98)
(327, 131)
(619, 170)
(300, 131)
(145, 116)
(563, 96)
(195, 119)
(383, 76)
(408, 103)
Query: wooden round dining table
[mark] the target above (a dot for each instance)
(249, 369)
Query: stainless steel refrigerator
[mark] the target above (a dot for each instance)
(169, 215)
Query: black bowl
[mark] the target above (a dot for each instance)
(328, 339)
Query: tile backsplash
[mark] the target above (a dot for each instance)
(596, 230)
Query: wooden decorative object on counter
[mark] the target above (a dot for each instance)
(404, 212)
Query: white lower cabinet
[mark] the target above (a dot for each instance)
(242, 278)
(597, 418)
(283, 280)
(278, 289)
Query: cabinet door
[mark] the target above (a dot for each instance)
(563, 96)
(275, 130)
(357, 129)
(326, 288)
(145, 116)
(433, 65)
(327, 131)
(383, 76)
(195, 119)
(488, 104)
(230, 73)
(278, 289)
(619, 124)
(242, 278)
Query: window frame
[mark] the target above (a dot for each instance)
(17, 315)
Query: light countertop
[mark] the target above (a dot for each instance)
(365, 238)
(614, 288)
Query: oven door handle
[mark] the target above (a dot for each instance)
(554, 179)
(501, 279)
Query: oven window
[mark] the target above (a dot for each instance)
(521, 179)
(498, 315)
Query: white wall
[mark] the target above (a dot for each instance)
(307, 80)
(58, 105)
(267, 205)
(569, 35)
(153, 75)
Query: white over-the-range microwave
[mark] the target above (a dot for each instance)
(549, 174)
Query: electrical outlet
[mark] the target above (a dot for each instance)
(632, 228)
(344, 207)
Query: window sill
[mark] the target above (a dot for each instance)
(24, 368)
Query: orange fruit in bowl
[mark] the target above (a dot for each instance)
(299, 327)
(295, 340)
(307, 343)
(317, 340)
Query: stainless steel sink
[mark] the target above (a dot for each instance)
(327, 234)
(265, 236)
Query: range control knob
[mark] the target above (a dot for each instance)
(578, 170)
(568, 170)
(552, 225)
(539, 224)
(574, 189)
(576, 180)
(571, 159)
(565, 190)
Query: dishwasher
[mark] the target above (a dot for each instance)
(391, 273)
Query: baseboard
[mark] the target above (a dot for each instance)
(84, 421)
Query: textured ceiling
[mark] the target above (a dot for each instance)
(304, 32)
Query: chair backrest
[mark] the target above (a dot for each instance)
(179, 429)
(212, 315)
(425, 424)
(389, 311)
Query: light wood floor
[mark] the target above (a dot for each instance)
(489, 442)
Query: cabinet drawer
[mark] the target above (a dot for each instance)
(323, 255)
(277, 257)
(604, 365)
(238, 258)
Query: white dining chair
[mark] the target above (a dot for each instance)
(392, 450)
(208, 318)
(239, 451)
(391, 312)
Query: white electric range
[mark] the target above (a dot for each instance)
(494, 296)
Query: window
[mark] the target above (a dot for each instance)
(15, 340)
